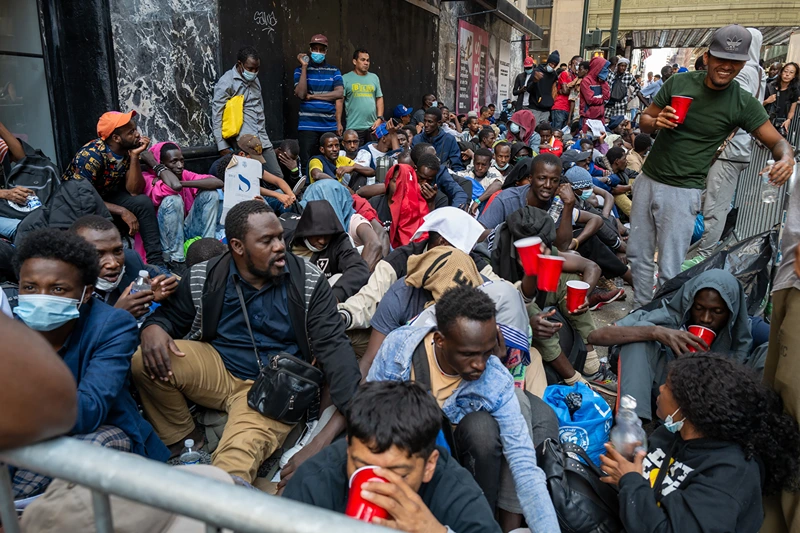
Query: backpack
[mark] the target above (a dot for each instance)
(618, 92)
(35, 171)
(583, 503)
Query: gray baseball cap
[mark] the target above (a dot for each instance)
(731, 42)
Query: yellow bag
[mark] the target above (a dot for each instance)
(233, 117)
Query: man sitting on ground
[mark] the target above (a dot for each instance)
(651, 339)
(502, 158)
(641, 145)
(119, 268)
(351, 148)
(288, 154)
(57, 271)
(455, 187)
(330, 164)
(291, 310)
(475, 392)
(487, 179)
(394, 426)
(273, 188)
(446, 146)
(111, 164)
(186, 203)
(620, 179)
(320, 238)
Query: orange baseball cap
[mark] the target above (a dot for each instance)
(112, 120)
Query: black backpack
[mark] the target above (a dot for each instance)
(35, 171)
(583, 503)
(618, 91)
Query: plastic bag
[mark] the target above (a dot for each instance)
(589, 426)
(750, 261)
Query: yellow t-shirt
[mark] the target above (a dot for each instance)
(442, 385)
(341, 161)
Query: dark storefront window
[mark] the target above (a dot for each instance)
(24, 97)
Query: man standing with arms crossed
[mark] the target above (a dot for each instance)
(673, 177)
(363, 99)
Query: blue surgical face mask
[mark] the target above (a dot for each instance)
(43, 312)
(586, 194)
(528, 70)
(514, 127)
(434, 104)
(549, 68)
(498, 167)
(249, 76)
(317, 57)
(671, 425)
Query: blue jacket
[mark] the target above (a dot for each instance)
(494, 393)
(99, 352)
(453, 190)
(447, 149)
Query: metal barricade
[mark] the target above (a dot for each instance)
(754, 215)
(108, 472)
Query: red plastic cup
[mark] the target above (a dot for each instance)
(529, 250)
(704, 333)
(681, 105)
(576, 294)
(358, 507)
(550, 267)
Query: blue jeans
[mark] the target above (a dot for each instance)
(558, 118)
(200, 222)
(8, 227)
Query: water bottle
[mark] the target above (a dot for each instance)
(189, 455)
(628, 430)
(769, 192)
(556, 209)
(34, 202)
(142, 282)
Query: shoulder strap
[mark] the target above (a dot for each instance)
(422, 372)
(246, 318)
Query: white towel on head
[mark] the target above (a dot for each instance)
(454, 225)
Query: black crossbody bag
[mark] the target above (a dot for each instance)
(286, 388)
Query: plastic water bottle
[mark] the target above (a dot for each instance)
(34, 202)
(769, 192)
(628, 431)
(189, 455)
(142, 282)
(556, 209)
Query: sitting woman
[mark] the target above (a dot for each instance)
(725, 441)
(57, 273)
(320, 238)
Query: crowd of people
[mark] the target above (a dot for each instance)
(369, 307)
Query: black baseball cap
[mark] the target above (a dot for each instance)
(731, 42)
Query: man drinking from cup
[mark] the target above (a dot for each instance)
(668, 191)
(649, 340)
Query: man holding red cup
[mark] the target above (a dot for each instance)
(708, 313)
(669, 188)
(390, 471)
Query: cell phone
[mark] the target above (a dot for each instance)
(549, 309)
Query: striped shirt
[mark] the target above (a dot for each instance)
(318, 115)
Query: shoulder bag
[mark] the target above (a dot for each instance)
(233, 117)
(287, 387)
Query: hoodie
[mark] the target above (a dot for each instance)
(753, 80)
(339, 257)
(594, 91)
(673, 313)
(710, 486)
(447, 149)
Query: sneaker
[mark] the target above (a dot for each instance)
(599, 298)
(604, 379)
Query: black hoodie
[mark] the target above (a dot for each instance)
(339, 257)
(710, 487)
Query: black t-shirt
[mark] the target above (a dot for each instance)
(452, 495)
(780, 107)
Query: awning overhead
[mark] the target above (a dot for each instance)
(698, 37)
(508, 13)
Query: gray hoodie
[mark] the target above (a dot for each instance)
(753, 80)
(673, 312)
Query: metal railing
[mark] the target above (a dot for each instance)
(175, 490)
(755, 216)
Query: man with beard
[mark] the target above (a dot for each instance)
(669, 188)
(289, 308)
(111, 164)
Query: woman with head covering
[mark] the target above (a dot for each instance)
(361, 231)
(402, 206)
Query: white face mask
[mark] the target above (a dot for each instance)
(105, 285)
(314, 248)
(549, 68)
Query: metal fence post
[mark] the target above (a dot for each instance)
(8, 514)
(103, 520)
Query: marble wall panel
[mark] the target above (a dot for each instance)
(167, 57)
